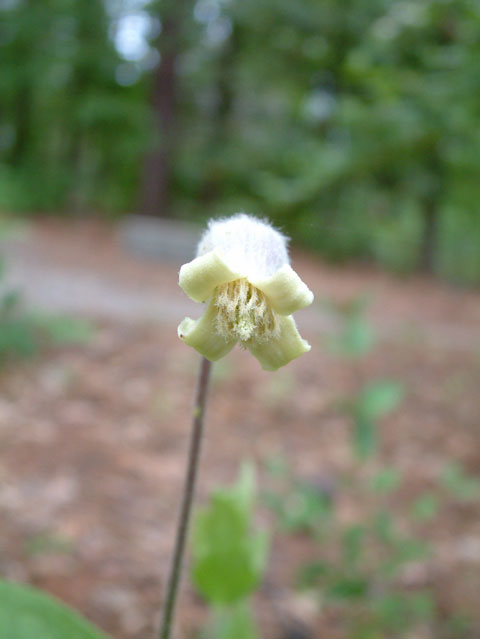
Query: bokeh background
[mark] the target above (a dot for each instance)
(352, 125)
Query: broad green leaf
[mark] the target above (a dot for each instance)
(28, 613)
(230, 565)
(228, 559)
(244, 489)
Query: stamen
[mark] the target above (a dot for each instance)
(244, 312)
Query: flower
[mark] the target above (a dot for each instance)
(242, 268)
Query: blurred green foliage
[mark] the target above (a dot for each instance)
(360, 570)
(374, 401)
(26, 613)
(24, 334)
(353, 339)
(229, 557)
(48, 543)
(352, 124)
(461, 486)
(355, 336)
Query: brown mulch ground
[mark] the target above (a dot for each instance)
(93, 439)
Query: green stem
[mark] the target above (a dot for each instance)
(188, 494)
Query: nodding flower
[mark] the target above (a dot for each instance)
(243, 270)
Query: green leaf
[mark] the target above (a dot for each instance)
(364, 437)
(47, 543)
(374, 401)
(383, 527)
(10, 302)
(461, 486)
(386, 481)
(304, 507)
(63, 330)
(425, 507)
(18, 338)
(396, 611)
(27, 613)
(229, 559)
(243, 492)
(234, 622)
(276, 465)
(403, 551)
(355, 339)
(353, 542)
(311, 573)
(378, 399)
(358, 338)
(348, 587)
(228, 563)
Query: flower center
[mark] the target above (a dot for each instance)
(244, 312)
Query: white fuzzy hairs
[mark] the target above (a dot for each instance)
(247, 244)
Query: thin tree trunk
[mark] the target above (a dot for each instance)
(221, 115)
(157, 172)
(431, 213)
(429, 237)
(226, 80)
(23, 126)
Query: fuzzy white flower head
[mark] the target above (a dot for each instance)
(242, 268)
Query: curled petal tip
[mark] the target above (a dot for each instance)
(201, 334)
(202, 275)
(286, 291)
(281, 350)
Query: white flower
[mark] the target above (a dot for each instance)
(242, 268)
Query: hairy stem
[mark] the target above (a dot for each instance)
(188, 494)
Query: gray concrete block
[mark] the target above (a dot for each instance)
(159, 239)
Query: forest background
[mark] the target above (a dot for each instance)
(352, 124)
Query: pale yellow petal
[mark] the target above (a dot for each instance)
(285, 291)
(199, 277)
(280, 350)
(202, 335)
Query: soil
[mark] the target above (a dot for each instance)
(93, 438)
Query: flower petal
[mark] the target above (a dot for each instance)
(285, 291)
(199, 277)
(202, 335)
(278, 351)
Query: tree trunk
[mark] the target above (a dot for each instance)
(23, 126)
(221, 116)
(429, 236)
(157, 171)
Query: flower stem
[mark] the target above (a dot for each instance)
(188, 494)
